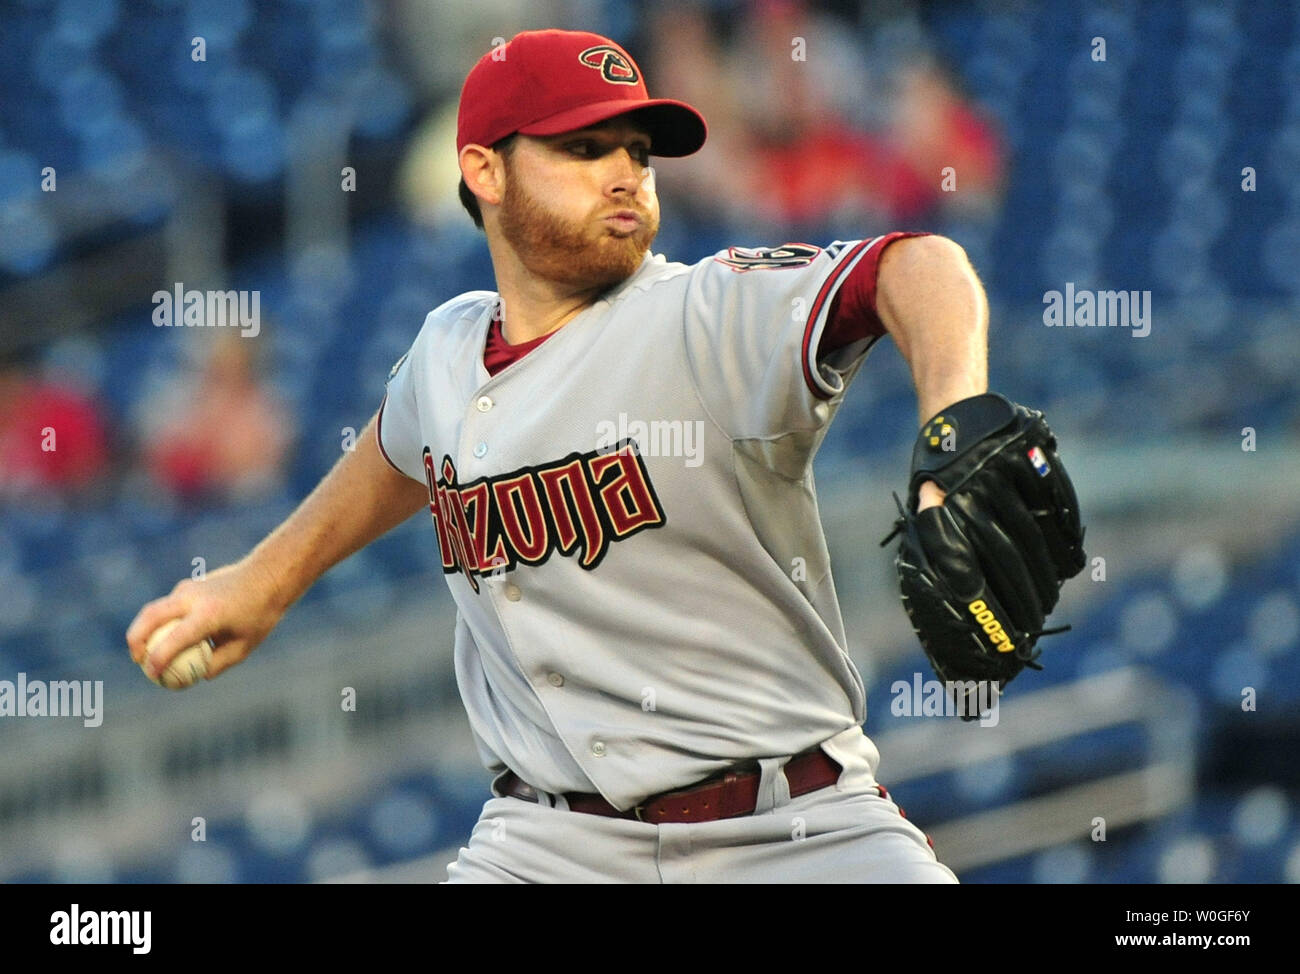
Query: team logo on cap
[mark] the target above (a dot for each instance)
(614, 66)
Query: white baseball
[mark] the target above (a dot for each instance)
(188, 666)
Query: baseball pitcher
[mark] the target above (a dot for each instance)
(615, 451)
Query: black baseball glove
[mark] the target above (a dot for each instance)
(981, 572)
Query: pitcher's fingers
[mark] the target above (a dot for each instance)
(188, 631)
(149, 618)
(226, 655)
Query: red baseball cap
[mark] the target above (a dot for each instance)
(544, 82)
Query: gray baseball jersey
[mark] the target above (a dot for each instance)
(627, 521)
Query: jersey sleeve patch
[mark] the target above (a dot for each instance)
(741, 259)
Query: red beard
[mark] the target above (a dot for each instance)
(582, 256)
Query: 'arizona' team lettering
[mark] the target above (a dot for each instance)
(580, 504)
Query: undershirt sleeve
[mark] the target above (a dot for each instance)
(853, 315)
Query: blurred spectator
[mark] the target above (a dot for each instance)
(430, 171)
(51, 433)
(803, 132)
(685, 59)
(810, 164)
(218, 431)
(935, 128)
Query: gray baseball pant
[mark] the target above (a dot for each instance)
(847, 833)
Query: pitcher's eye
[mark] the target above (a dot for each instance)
(591, 149)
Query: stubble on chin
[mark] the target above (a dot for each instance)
(556, 249)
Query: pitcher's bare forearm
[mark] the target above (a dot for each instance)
(934, 307)
(359, 500)
(236, 606)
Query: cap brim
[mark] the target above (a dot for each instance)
(674, 127)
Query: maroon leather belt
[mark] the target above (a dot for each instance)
(728, 795)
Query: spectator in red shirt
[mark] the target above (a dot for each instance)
(51, 434)
(934, 128)
(219, 431)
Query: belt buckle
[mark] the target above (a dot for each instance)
(638, 811)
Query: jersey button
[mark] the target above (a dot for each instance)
(513, 593)
(480, 451)
(598, 748)
(483, 404)
(554, 679)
